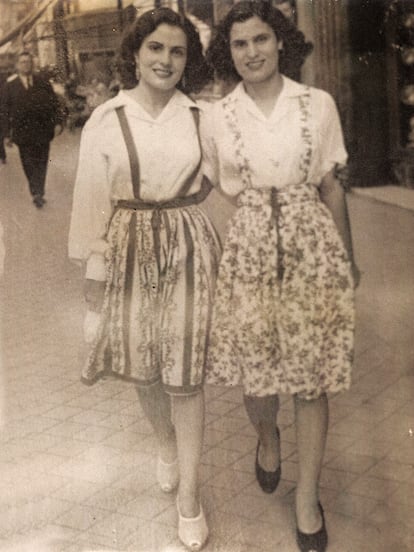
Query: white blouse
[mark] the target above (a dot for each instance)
(168, 151)
(274, 147)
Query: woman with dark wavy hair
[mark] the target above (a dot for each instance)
(291, 57)
(151, 253)
(283, 315)
(197, 73)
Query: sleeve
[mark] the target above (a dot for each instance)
(55, 105)
(332, 147)
(91, 208)
(210, 157)
(5, 111)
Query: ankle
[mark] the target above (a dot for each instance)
(189, 503)
(167, 451)
(269, 451)
(308, 516)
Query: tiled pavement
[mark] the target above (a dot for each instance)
(76, 463)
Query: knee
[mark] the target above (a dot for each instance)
(312, 402)
(146, 390)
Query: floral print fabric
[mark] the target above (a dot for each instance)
(283, 317)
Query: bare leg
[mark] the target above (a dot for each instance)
(188, 417)
(311, 430)
(156, 405)
(262, 412)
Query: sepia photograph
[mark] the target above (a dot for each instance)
(206, 275)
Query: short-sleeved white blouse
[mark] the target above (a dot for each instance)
(168, 150)
(273, 146)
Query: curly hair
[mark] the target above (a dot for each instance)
(197, 72)
(291, 58)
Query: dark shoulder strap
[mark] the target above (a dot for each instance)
(195, 112)
(132, 152)
(187, 184)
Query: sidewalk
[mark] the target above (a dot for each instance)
(77, 463)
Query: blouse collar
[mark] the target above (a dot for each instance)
(290, 89)
(178, 100)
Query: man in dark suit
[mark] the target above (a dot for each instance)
(3, 155)
(31, 117)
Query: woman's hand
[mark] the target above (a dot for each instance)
(94, 291)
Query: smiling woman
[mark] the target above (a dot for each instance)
(151, 253)
(160, 64)
(197, 72)
(283, 315)
(294, 52)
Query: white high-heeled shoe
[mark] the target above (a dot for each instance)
(193, 532)
(167, 475)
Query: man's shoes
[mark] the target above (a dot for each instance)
(268, 480)
(313, 542)
(39, 201)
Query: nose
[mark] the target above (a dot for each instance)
(251, 49)
(166, 57)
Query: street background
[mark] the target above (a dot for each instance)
(77, 463)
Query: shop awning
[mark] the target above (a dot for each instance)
(25, 24)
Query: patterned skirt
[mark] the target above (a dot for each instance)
(283, 318)
(161, 270)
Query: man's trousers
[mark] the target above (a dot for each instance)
(35, 158)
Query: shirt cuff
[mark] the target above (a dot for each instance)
(95, 267)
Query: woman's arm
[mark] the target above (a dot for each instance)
(91, 211)
(334, 197)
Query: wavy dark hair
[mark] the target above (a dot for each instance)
(295, 47)
(197, 72)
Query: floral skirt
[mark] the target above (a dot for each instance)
(161, 271)
(283, 318)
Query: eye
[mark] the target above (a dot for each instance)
(178, 52)
(238, 44)
(261, 39)
(154, 46)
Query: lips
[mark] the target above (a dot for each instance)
(254, 65)
(163, 73)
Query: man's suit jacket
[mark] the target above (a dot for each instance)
(30, 115)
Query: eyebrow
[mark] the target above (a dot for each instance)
(156, 42)
(255, 37)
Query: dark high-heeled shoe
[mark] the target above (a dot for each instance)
(268, 480)
(315, 542)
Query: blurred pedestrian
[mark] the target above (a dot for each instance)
(97, 94)
(283, 317)
(31, 116)
(151, 252)
(3, 154)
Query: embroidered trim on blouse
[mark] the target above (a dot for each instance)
(242, 162)
(241, 158)
(306, 157)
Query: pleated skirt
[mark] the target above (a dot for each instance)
(161, 271)
(283, 318)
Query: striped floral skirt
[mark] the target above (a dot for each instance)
(283, 318)
(161, 271)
